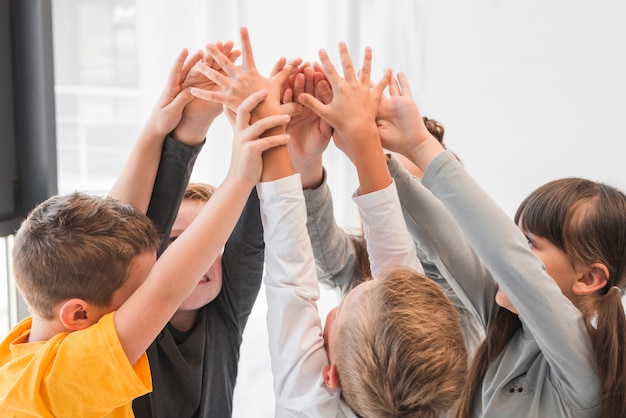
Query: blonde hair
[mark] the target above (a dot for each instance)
(78, 246)
(401, 353)
(199, 191)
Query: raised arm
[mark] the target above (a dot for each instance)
(148, 309)
(135, 183)
(239, 82)
(352, 113)
(182, 146)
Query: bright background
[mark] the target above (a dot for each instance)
(528, 92)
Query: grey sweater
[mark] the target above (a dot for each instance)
(547, 369)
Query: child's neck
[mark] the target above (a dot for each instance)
(183, 320)
(43, 330)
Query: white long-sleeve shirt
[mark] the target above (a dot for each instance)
(297, 350)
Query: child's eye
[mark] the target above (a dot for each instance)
(530, 241)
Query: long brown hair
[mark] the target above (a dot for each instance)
(587, 220)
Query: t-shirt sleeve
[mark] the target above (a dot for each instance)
(87, 373)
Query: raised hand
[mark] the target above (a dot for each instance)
(168, 110)
(352, 114)
(248, 147)
(309, 133)
(239, 82)
(401, 126)
(199, 114)
(352, 110)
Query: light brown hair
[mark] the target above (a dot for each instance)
(78, 246)
(586, 220)
(199, 191)
(401, 353)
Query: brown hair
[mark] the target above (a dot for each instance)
(587, 220)
(78, 246)
(401, 353)
(435, 128)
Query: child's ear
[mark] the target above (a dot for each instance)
(594, 278)
(73, 314)
(331, 377)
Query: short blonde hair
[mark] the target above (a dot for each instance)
(401, 353)
(199, 191)
(78, 246)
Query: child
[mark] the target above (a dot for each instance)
(341, 258)
(194, 359)
(308, 365)
(555, 342)
(86, 267)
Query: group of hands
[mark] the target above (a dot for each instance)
(301, 105)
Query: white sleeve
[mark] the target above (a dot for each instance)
(388, 240)
(297, 351)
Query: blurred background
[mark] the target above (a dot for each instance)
(527, 91)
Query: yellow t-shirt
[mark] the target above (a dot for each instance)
(77, 374)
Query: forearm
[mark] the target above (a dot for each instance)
(294, 326)
(176, 273)
(388, 240)
(174, 171)
(134, 184)
(442, 241)
(369, 160)
(334, 251)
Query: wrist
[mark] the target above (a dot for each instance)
(192, 133)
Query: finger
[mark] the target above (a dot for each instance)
(394, 88)
(367, 66)
(323, 92)
(309, 80)
(209, 96)
(226, 50)
(299, 84)
(190, 62)
(246, 49)
(296, 62)
(221, 60)
(288, 95)
(217, 77)
(328, 68)
(246, 106)
(234, 55)
(175, 78)
(265, 143)
(283, 75)
(312, 103)
(180, 101)
(267, 123)
(278, 66)
(380, 87)
(291, 108)
(404, 85)
(346, 62)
